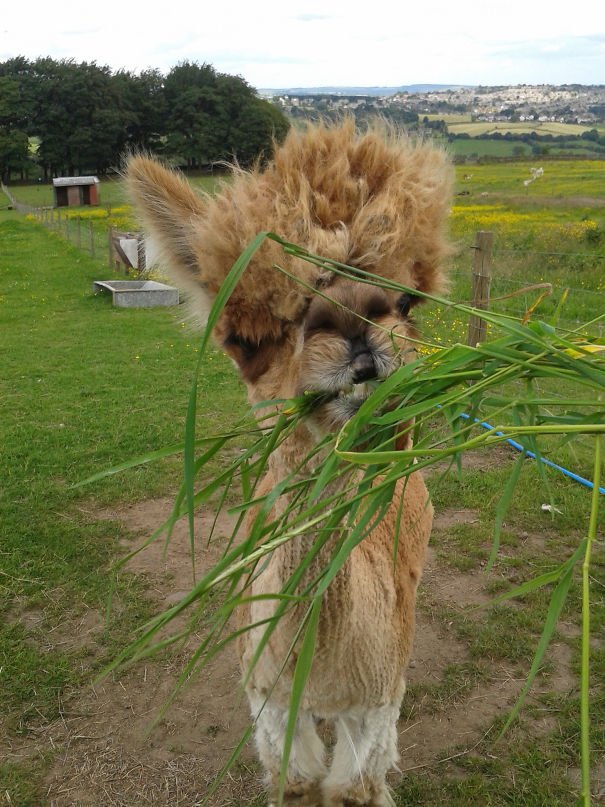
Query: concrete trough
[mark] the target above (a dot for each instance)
(137, 293)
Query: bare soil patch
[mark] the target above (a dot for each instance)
(108, 753)
(479, 459)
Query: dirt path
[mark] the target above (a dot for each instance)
(105, 755)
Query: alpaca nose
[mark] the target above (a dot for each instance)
(362, 363)
(363, 367)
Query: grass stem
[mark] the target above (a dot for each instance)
(585, 676)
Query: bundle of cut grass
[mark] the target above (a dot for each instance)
(340, 492)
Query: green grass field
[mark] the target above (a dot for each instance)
(476, 128)
(85, 386)
(476, 148)
(566, 179)
(487, 148)
(562, 178)
(111, 193)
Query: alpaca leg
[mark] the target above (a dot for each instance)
(306, 765)
(366, 749)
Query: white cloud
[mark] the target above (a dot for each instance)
(273, 43)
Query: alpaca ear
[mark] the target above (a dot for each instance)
(169, 210)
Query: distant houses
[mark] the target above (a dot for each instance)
(518, 104)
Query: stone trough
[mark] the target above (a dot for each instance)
(137, 293)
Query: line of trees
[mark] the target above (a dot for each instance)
(67, 118)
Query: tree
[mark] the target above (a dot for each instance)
(14, 153)
(190, 94)
(15, 112)
(85, 117)
(214, 117)
(143, 108)
(247, 124)
(591, 134)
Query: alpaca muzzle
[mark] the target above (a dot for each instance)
(363, 367)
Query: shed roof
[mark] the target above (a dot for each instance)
(61, 182)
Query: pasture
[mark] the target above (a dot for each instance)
(468, 137)
(477, 128)
(86, 387)
(111, 192)
(472, 147)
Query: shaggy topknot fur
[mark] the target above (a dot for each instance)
(375, 201)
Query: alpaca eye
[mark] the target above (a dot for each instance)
(377, 305)
(322, 325)
(405, 302)
(317, 323)
(378, 311)
(247, 347)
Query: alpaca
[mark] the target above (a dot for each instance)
(380, 203)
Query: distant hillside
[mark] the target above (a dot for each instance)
(477, 122)
(373, 91)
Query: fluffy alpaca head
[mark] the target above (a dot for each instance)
(373, 201)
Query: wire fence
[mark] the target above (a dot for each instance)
(514, 287)
(81, 233)
(119, 249)
(545, 254)
(14, 202)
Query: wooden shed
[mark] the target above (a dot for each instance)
(76, 191)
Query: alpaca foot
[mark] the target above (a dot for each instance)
(303, 794)
(361, 795)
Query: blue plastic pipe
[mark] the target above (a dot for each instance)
(586, 482)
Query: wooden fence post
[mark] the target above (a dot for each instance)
(92, 239)
(482, 276)
(110, 239)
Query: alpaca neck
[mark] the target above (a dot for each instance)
(286, 462)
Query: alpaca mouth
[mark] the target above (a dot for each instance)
(350, 392)
(340, 405)
(357, 392)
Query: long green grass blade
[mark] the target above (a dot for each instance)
(299, 680)
(503, 507)
(337, 495)
(539, 581)
(220, 301)
(152, 456)
(557, 602)
(585, 674)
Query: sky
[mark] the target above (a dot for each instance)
(305, 43)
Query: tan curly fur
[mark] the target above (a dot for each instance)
(374, 201)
